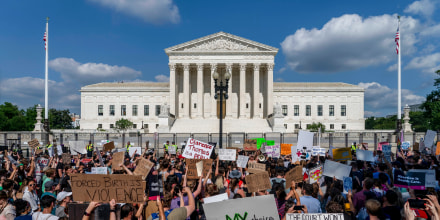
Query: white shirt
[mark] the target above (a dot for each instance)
(41, 216)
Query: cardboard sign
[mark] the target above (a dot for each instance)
(273, 151)
(138, 150)
(294, 174)
(192, 167)
(405, 145)
(103, 188)
(227, 154)
(242, 161)
(66, 158)
(216, 198)
(197, 150)
(77, 147)
(348, 184)
(257, 182)
(143, 168)
(335, 169)
(315, 174)
(365, 155)
(42, 162)
(416, 146)
(99, 170)
(250, 145)
(118, 158)
(109, 146)
(255, 167)
(315, 216)
(413, 180)
(34, 143)
(286, 149)
(386, 149)
(341, 154)
(305, 139)
(317, 151)
(260, 207)
(379, 146)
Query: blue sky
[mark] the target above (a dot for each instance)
(95, 41)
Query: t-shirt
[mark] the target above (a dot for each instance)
(154, 186)
(376, 176)
(60, 211)
(41, 216)
(313, 205)
(393, 212)
(23, 217)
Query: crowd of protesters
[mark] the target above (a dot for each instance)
(29, 192)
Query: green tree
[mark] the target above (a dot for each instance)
(418, 121)
(316, 126)
(123, 124)
(432, 106)
(11, 118)
(60, 119)
(381, 122)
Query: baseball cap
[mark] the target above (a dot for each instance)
(49, 184)
(63, 195)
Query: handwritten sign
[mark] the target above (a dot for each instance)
(386, 149)
(405, 145)
(257, 182)
(294, 174)
(197, 150)
(242, 161)
(143, 168)
(273, 151)
(348, 184)
(171, 149)
(192, 167)
(335, 169)
(138, 150)
(227, 154)
(341, 154)
(59, 150)
(270, 142)
(109, 146)
(379, 146)
(118, 158)
(250, 145)
(103, 188)
(99, 170)
(216, 198)
(315, 174)
(77, 147)
(255, 167)
(286, 149)
(66, 158)
(34, 143)
(365, 155)
(42, 162)
(315, 216)
(317, 151)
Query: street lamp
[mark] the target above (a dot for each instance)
(222, 91)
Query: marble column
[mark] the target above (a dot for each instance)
(200, 90)
(229, 100)
(213, 101)
(172, 88)
(186, 85)
(269, 101)
(242, 90)
(256, 100)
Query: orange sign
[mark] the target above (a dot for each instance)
(286, 149)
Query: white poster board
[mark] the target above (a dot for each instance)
(315, 216)
(59, 150)
(242, 161)
(99, 170)
(335, 169)
(273, 151)
(365, 155)
(429, 138)
(171, 149)
(77, 147)
(217, 198)
(227, 154)
(131, 150)
(197, 150)
(318, 151)
(305, 139)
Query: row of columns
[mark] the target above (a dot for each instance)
(200, 89)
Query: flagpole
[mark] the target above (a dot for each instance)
(399, 92)
(46, 92)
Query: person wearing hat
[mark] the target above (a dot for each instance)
(49, 189)
(63, 199)
(7, 210)
(234, 184)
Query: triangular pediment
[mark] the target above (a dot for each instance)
(221, 42)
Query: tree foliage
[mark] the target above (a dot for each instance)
(123, 124)
(316, 126)
(381, 123)
(432, 106)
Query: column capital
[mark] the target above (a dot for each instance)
(270, 66)
(199, 66)
(229, 67)
(186, 66)
(257, 66)
(213, 67)
(172, 66)
(243, 66)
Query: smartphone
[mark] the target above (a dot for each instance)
(298, 207)
(416, 203)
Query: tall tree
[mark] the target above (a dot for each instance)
(60, 119)
(432, 106)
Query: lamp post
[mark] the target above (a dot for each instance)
(222, 91)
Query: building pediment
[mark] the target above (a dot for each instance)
(221, 42)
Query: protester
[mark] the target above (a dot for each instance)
(47, 203)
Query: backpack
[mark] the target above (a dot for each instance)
(276, 185)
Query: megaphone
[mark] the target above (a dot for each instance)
(261, 158)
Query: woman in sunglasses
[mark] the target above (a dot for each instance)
(30, 195)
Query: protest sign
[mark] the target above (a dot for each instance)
(286, 149)
(416, 146)
(42, 162)
(430, 180)
(255, 167)
(413, 180)
(286, 164)
(386, 149)
(227, 154)
(294, 174)
(296, 153)
(143, 168)
(34, 143)
(270, 142)
(330, 151)
(66, 158)
(306, 153)
(242, 161)
(379, 146)
(305, 139)
(77, 147)
(273, 151)
(192, 167)
(171, 150)
(85, 160)
(103, 188)
(341, 154)
(315, 174)
(257, 182)
(259, 207)
(118, 158)
(195, 149)
(335, 169)
(437, 151)
(348, 184)
(138, 150)
(109, 146)
(315, 216)
(250, 145)
(317, 151)
(405, 145)
(365, 146)
(260, 141)
(199, 167)
(99, 170)
(365, 155)
(429, 138)
(59, 150)
(216, 198)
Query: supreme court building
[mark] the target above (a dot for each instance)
(255, 103)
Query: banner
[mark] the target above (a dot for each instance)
(250, 145)
(294, 174)
(273, 151)
(315, 174)
(192, 167)
(258, 182)
(365, 155)
(99, 170)
(242, 161)
(143, 168)
(286, 149)
(259, 207)
(255, 167)
(317, 151)
(77, 147)
(104, 188)
(195, 149)
(348, 184)
(413, 180)
(314, 216)
(335, 169)
(227, 154)
(341, 154)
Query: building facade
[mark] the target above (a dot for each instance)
(187, 103)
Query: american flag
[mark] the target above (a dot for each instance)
(396, 39)
(44, 38)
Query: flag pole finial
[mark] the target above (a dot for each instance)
(398, 17)
(47, 19)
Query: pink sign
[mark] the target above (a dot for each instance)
(379, 146)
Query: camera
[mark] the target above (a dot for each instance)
(298, 207)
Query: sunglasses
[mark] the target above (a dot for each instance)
(31, 184)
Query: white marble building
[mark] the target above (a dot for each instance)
(187, 104)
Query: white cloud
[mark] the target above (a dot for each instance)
(347, 43)
(431, 31)
(429, 63)
(422, 7)
(162, 78)
(87, 73)
(380, 98)
(392, 67)
(152, 11)
(368, 114)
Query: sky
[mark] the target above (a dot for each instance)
(92, 41)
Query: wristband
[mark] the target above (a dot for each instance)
(86, 214)
(112, 210)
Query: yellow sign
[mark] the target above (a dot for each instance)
(341, 154)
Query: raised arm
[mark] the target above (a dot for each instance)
(126, 169)
(191, 203)
(216, 167)
(199, 188)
